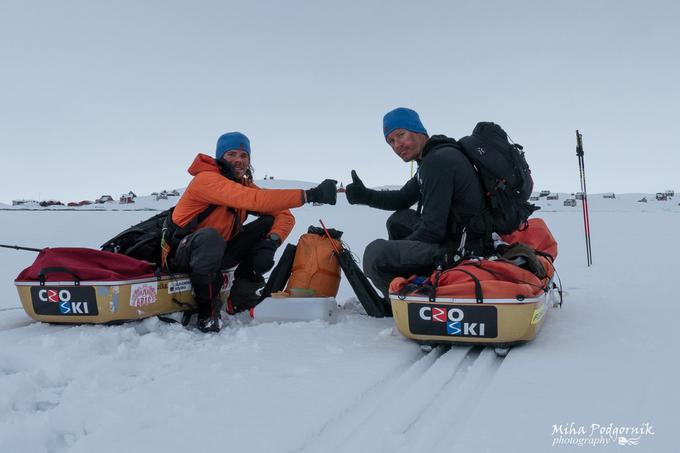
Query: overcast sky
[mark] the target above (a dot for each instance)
(106, 97)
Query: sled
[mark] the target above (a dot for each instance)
(482, 301)
(86, 286)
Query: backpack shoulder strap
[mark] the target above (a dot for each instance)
(193, 223)
(204, 214)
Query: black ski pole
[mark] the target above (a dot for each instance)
(16, 247)
(584, 192)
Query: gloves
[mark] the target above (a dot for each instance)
(244, 294)
(263, 255)
(326, 192)
(356, 192)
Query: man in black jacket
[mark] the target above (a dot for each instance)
(447, 190)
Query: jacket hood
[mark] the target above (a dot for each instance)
(201, 163)
(435, 142)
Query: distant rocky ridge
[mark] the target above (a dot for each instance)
(545, 199)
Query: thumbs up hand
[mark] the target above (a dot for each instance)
(356, 192)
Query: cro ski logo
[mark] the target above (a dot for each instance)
(453, 317)
(62, 298)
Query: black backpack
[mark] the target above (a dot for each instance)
(505, 177)
(143, 240)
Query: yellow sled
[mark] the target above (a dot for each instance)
(500, 323)
(106, 302)
(484, 301)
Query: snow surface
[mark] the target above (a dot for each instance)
(608, 356)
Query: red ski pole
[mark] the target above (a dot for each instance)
(328, 235)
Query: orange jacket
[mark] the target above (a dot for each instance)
(209, 187)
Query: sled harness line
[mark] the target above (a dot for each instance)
(433, 290)
(554, 285)
(479, 296)
(546, 255)
(181, 304)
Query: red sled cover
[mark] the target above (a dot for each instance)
(83, 264)
(497, 279)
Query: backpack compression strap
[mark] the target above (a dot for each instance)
(171, 234)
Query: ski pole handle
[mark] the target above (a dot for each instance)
(579, 144)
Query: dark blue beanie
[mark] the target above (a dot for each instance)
(232, 140)
(402, 118)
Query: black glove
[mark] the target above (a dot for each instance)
(326, 192)
(263, 255)
(245, 294)
(356, 192)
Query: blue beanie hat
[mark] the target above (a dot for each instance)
(402, 118)
(232, 140)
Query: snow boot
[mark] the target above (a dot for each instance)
(207, 293)
(245, 293)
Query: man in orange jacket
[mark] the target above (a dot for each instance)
(214, 207)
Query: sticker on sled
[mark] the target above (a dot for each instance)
(64, 301)
(453, 321)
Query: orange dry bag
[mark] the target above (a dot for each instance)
(315, 267)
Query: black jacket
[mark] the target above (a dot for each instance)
(446, 187)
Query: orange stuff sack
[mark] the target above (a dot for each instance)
(537, 235)
(315, 266)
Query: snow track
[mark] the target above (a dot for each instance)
(16, 326)
(30, 331)
(407, 411)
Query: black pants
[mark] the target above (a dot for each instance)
(205, 252)
(386, 259)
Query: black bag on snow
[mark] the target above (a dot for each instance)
(374, 305)
(143, 240)
(281, 272)
(505, 176)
